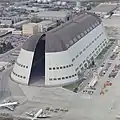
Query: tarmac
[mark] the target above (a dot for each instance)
(80, 106)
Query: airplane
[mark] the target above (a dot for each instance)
(118, 116)
(39, 114)
(9, 105)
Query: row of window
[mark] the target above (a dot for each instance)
(24, 66)
(63, 78)
(19, 75)
(61, 67)
(97, 49)
(87, 46)
(81, 35)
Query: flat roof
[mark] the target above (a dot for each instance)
(46, 22)
(104, 8)
(114, 21)
(53, 13)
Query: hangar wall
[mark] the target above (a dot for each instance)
(57, 70)
(22, 68)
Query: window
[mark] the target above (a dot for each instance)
(24, 77)
(82, 69)
(80, 65)
(72, 75)
(76, 69)
(50, 79)
(84, 61)
(50, 68)
(60, 67)
(26, 66)
(90, 54)
(73, 59)
(84, 49)
(96, 52)
(55, 79)
(87, 46)
(93, 26)
(85, 32)
(85, 65)
(71, 42)
(90, 44)
(66, 77)
(75, 39)
(80, 52)
(98, 22)
(75, 74)
(67, 66)
(63, 78)
(88, 30)
(71, 65)
(57, 67)
(78, 36)
(77, 56)
(105, 42)
(82, 34)
(54, 68)
(69, 76)
(59, 78)
(67, 45)
(63, 66)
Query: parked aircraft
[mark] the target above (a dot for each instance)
(38, 115)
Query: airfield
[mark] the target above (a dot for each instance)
(80, 105)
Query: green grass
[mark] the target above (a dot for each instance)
(72, 85)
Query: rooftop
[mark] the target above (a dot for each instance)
(46, 22)
(30, 24)
(104, 8)
(53, 13)
(114, 21)
(65, 35)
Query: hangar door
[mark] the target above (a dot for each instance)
(37, 75)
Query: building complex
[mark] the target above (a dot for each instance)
(58, 56)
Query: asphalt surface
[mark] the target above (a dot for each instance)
(80, 106)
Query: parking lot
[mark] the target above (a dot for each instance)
(16, 40)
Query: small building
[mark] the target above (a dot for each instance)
(54, 15)
(30, 29)
(112, 27)
(17, 32)
(19, 24)
(45, 25)
(59, 56)
(104, 9)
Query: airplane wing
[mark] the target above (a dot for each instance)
(37, 114)
(8, 104)
(10, 107)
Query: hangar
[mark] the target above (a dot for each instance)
(58, 56)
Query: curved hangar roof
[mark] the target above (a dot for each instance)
(64, 36)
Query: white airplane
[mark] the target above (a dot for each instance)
(9, 105)
(118, 116)
(38, 115)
